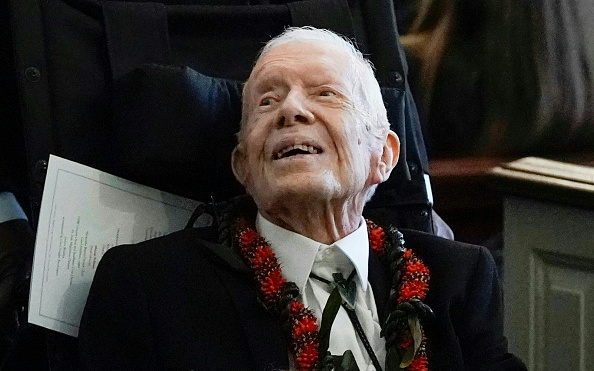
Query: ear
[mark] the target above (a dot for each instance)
(388, 159)
(238, 160)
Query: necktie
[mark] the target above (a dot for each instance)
(330, 260)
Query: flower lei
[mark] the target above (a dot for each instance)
(411, 281)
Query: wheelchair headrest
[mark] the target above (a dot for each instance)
(174, 124)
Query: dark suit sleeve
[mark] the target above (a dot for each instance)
(115, 331)
(16, 252)
(483, 345)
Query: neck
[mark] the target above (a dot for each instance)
(325, 223)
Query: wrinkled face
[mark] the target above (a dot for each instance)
(302, 138)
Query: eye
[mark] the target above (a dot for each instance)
(266, 102)
(327, 93)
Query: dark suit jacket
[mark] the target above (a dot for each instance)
(180, 302)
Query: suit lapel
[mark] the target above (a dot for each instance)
(226, 256)
(261, 328)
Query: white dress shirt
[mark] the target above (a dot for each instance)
(299, 255)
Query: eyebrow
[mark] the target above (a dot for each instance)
(268, 84)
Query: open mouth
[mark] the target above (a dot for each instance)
(297, 149)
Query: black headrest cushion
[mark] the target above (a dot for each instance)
(174, 129)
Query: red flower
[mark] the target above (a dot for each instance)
(272, 284)
(247, 238)
(261, 256)
(416, 267)
(413, 289)
(406, 342)
(407, 254)
(376, 237)
(304, 325)
(296, 306)
(307, 357)
(419, 364)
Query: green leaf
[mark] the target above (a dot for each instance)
(415, 330)
(328, 316)
(408, 357)
(348, 362)
(392, 359)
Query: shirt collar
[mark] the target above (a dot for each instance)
(356, 247)
(296, 253)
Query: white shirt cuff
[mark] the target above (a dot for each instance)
(10, 208)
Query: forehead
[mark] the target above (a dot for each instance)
(303, 59)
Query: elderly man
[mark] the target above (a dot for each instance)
(293, 277)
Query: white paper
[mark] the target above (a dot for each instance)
(85, 212)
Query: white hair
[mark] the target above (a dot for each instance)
(368, 104)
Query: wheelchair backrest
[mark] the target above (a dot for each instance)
(151, 91)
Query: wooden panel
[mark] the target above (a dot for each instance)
(562, 327)
(549, 283)
(547, 179)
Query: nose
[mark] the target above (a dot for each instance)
(294, 110)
